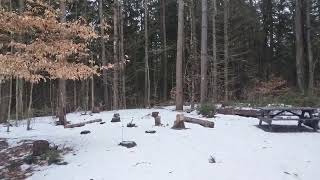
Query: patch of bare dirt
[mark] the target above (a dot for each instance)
(13, 160)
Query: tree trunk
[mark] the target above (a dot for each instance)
(179, 73)
(86, 95)
(116, 57)
(62, 82)
(204, 52)
(226, 49)
(164, 46)
(75, 95)
(92, 93)
(29, 108)
(103, 54)
(193, 54)
(17, 103)
(309, 48)
(299, 46)
(122, 63)
(146, 70)
(9, 104)
(214, 52)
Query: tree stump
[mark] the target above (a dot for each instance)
(116, 118)
(157, 121)
(179, 122)
(96, 110)
(155, 114)
(40, 147)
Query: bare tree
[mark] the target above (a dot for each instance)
(103, 53)
(299, 46)
(115, 54)
(309, 48)
(9, 104)
(204, 52)
(226, 49)
(179, 73)
(122, 65)
(62, 82)
(146, 70)
(30, 108)
(164, 46)
(214, 51)
(193, 55)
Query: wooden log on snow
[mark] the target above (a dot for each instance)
(239, 112)
(82, 124)
(202, 122)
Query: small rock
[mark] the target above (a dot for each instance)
(151, 132)
(85, 132)
(128, 144)
(102, 122)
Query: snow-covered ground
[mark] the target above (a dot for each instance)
(242, 151)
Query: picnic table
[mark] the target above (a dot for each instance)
(303, 115)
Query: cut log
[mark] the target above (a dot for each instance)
(82, 124)
(202, 122)
(239, 112)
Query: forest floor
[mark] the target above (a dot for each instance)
(240, 148)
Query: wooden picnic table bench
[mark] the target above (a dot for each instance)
(304, 115)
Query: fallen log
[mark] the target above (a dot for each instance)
(202, 122)
(239, 112)
(82, 124)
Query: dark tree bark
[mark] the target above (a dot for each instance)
(146, 70)
(103, 54)
(299, 47)
(204, 52)
(193, 55)
(309, 48)
(226, 50)
(116, 55)
(164, 47)
(214, 51)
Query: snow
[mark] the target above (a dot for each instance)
(241, 150)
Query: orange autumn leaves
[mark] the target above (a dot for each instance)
(35, 46)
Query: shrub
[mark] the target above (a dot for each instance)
(208, 110)
(53, 156)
